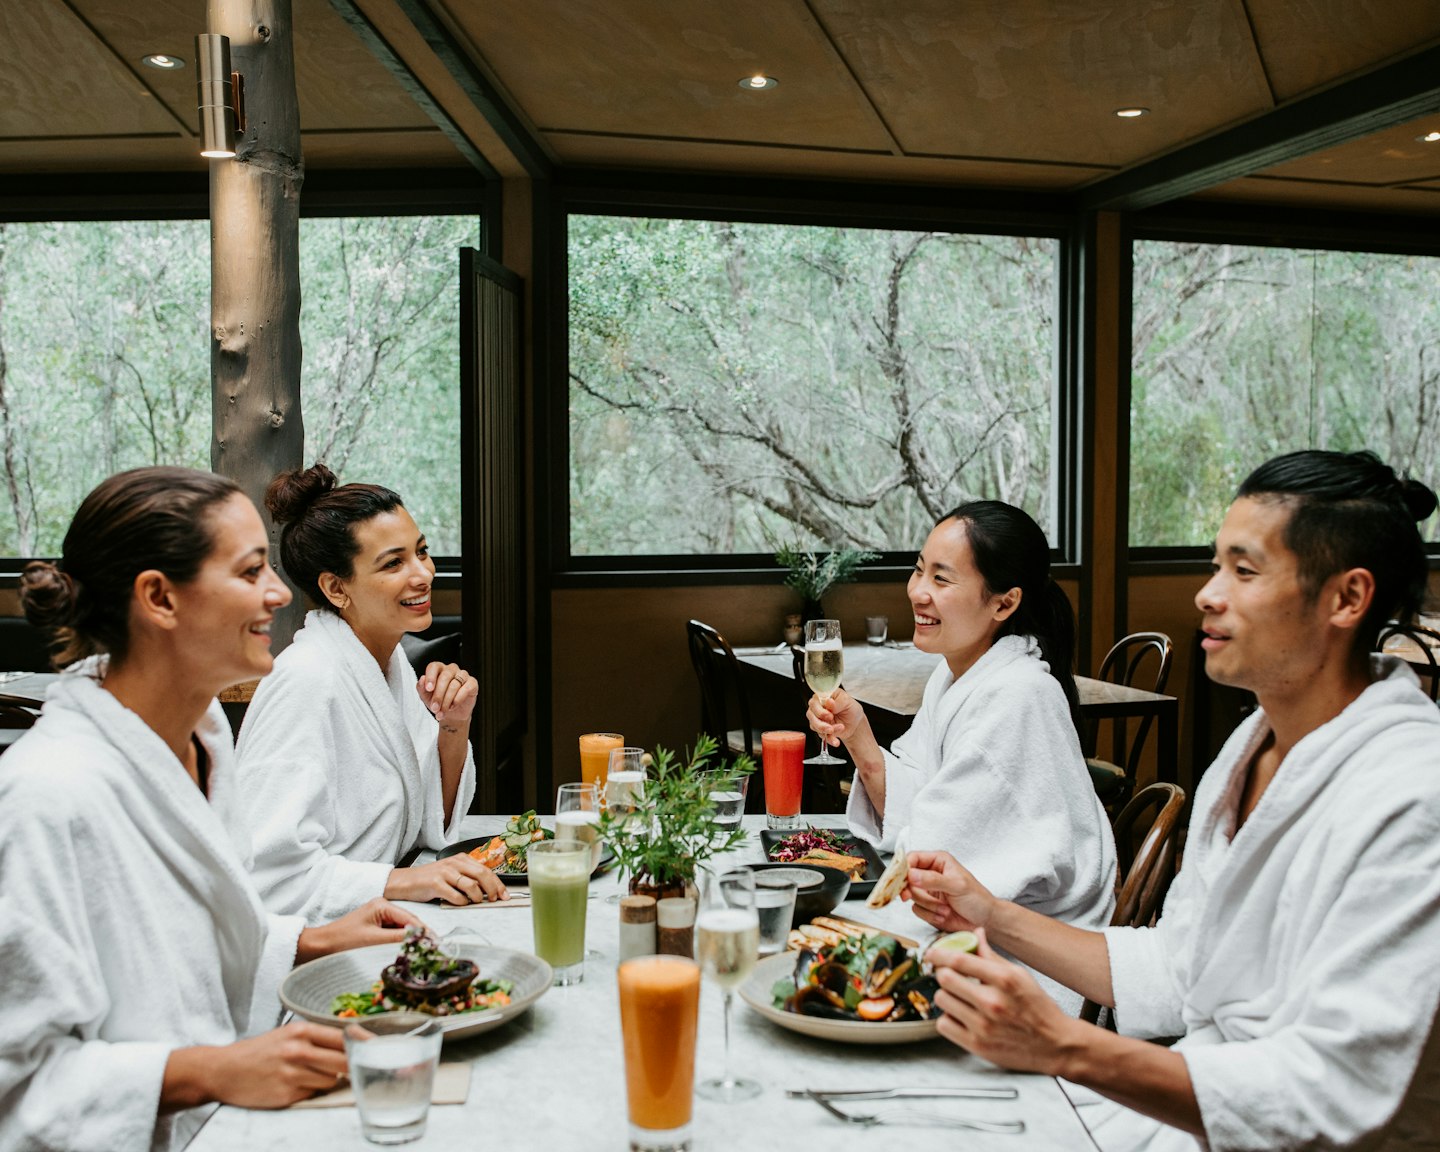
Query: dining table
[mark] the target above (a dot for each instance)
(554, 1077)
(889, 681)
(26, 688)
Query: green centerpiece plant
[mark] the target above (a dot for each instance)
(662, 843)
(813, 574)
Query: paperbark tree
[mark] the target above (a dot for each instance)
(255, 354)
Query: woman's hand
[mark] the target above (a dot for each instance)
(835, 718)
(449, 692)
(945, 894)
(997, 1010)
(272, 1070)
(374, 922)
(457, 879)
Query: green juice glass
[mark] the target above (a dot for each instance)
(559, 890)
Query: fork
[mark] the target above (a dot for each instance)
(999, 1127)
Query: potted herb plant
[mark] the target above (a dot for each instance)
(672, 831)
(812, 574)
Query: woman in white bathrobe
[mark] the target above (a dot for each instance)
(991, 770)
(347, 760)
(140, 968)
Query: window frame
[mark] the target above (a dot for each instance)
(800, 203)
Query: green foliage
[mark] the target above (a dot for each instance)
(812, 576)
(672, 831)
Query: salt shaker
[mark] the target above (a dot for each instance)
(637, 926)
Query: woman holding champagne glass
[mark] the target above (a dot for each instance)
(991, 769)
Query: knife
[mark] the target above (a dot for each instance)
(905, 1093)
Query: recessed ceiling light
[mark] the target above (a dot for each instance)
(1131, 113)
(164, 61)
(758, 82)
(1429, 138)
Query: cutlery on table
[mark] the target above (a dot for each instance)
(998, 1127)
(843, 1094)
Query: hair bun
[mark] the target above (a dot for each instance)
(1418, 497)
(292, 492)
(47, 595)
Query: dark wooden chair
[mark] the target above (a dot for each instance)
(1129, 663)
(16, 718)
(1422, 652)
(1146, 841)
(722, 697)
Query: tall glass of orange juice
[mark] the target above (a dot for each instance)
(659, 1005)
(595, 749)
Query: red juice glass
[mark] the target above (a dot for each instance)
(783, 755)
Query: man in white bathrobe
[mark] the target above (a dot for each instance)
(1298, 956)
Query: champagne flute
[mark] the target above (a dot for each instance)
(727, 940)
(824, 665)
(624, 790)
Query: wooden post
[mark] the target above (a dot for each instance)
(255, 351)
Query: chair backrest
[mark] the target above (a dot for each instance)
(1146, 832)
(1422, 652)
(15, 719)
(1140, 660)
(718, 674)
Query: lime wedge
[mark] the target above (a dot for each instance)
(958, 942)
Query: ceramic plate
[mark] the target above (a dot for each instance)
(756, 993)
(310, 988)
(874, 866)
(517, 879)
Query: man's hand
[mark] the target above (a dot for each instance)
(374, 922)
(945, 894)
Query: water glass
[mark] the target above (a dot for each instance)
(577, 817)
(392, 1062)
(559, 891)
(775, 905)
(729, 803)
(659, 1009)
(877, 629)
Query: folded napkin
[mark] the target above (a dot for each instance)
(452, 1086)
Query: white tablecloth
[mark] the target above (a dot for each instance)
(554, 1078)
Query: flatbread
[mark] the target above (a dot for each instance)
(893, 879)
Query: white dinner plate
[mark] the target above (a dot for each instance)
(309, 989)
(756, 993)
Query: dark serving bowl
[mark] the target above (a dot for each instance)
(818, 897)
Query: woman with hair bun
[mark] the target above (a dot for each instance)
(140, 968)
(347, 761)
(991, 769)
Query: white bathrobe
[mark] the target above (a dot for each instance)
(1300, 961)
(339, 773)
(128, 926)
(991, 771)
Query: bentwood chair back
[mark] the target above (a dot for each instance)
(16, 718)
(723, 699)
(1140, 660)
(1146, 841)
(1422, 652)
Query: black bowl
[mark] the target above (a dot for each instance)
(818, 899)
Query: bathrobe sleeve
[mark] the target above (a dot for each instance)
(905, 775)
(435, 831)
(60, 1085)
(1149, 966)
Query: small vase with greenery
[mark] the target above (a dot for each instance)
(812, 574)
(672, 830)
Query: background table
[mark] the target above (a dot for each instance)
(554, 1078)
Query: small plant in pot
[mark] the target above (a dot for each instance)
(813, 574)
(672, 831)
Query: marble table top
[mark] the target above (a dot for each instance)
(554, 1078)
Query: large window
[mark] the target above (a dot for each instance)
(105, 360)
(736, 384)
(1241, 353)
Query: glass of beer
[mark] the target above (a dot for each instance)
(659, 1007)
(824, 665)
(577, 817)
(559, 888)
(595, 748)
(783, 756)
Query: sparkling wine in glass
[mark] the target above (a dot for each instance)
(624, 790)
(577, 817)
(727, 941)
(824, 665)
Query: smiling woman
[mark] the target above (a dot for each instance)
(348, 760)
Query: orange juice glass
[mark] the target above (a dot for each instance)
(595, 749)
(783, 755)
(659, 1005)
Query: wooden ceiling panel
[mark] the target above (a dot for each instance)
(171, 153)
(1033, 79)
(57, 81)
(672, 69)
(1307, 44)
(1394, 156)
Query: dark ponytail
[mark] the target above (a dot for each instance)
(1011, 551)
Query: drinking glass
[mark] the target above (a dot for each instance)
(877, 630)
(782, 756)
(624, 790)
(659, 1009)
(775, 909)
(559, 888)
(392, 1062)
(729, 802)
(727, 941)
(577, 816)
(595, 748)
(824, 665)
